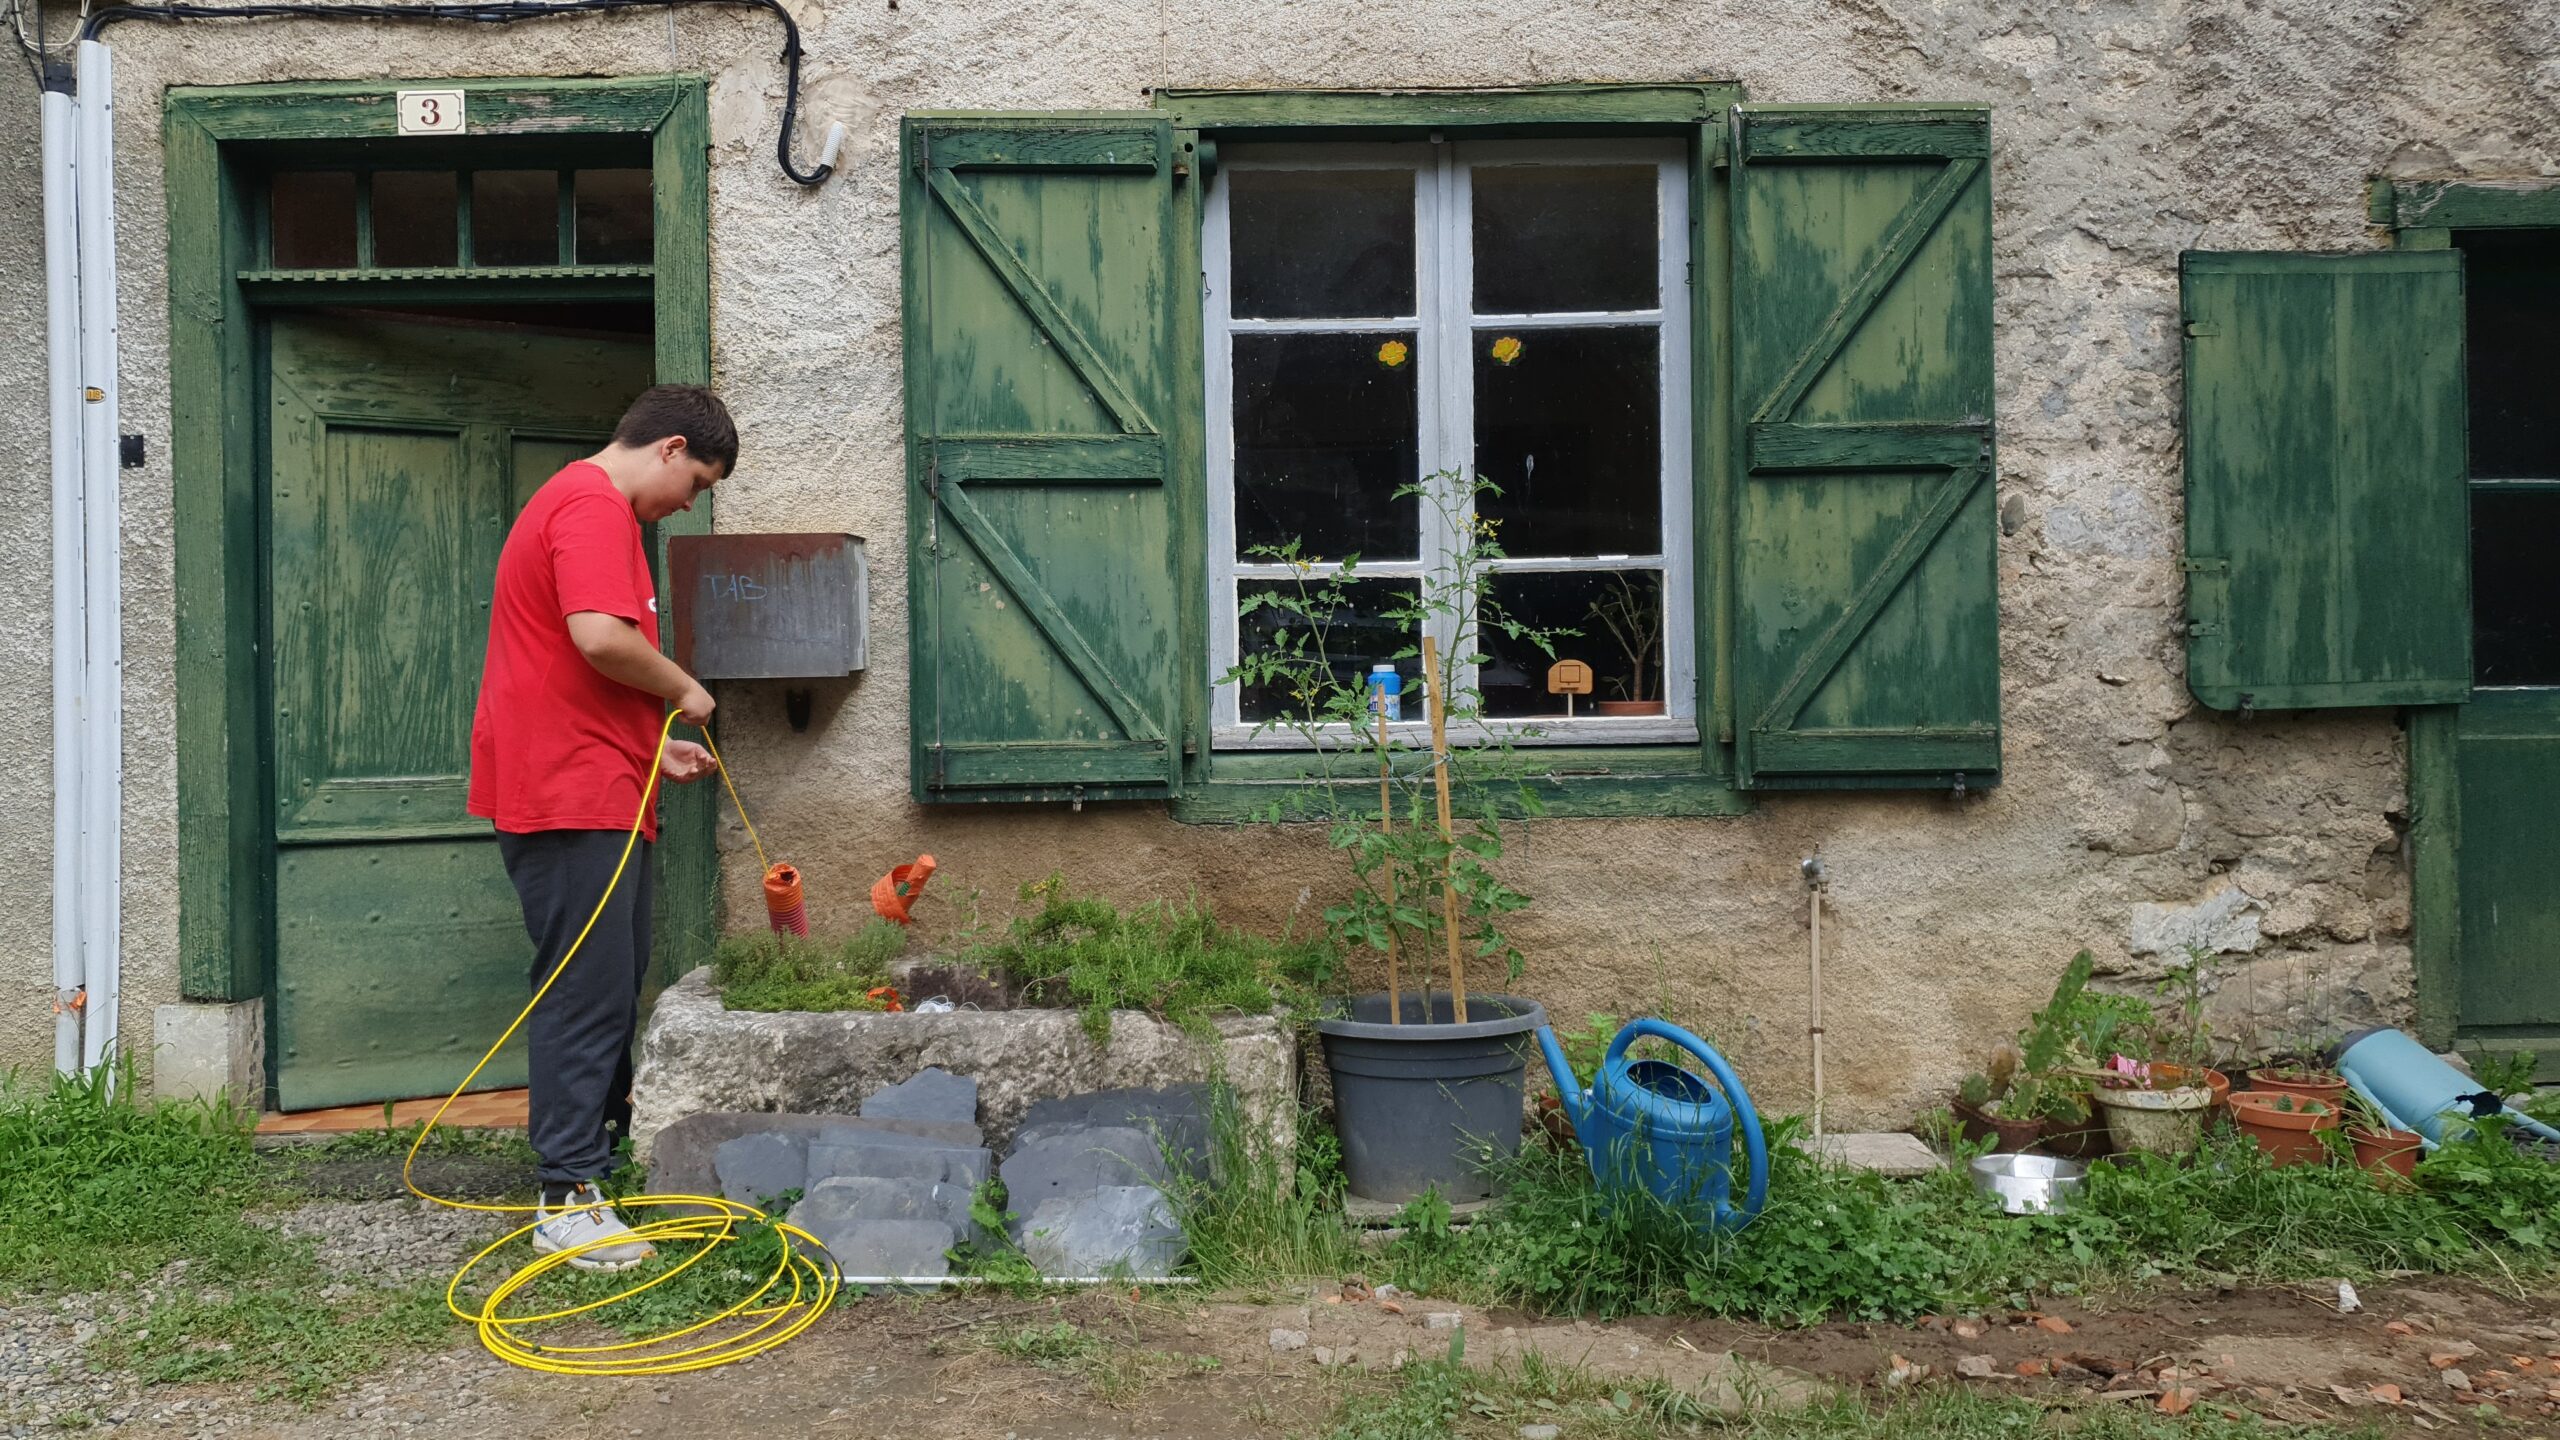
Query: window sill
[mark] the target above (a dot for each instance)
(1521, 733)
(1583, 783)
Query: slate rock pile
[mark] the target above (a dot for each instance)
(889, 1191)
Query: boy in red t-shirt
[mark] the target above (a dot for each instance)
(572, 696)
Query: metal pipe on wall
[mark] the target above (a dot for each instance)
(102, 793)
(70, 596)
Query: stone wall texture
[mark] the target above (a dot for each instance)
(2124, 132)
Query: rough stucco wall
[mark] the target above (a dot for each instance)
(2123, 134)
(26, 540)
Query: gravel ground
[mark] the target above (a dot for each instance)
(49, 1386)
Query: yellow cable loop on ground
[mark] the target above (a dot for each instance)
(706, 1222)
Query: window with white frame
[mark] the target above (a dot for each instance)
(1379, 315)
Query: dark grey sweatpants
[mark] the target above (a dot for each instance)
(580, 1036)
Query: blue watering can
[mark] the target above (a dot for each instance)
(1651, 1123)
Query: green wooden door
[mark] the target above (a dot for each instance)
(2507, 749)
(399, 454)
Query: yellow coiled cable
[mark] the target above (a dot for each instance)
(746, 1329)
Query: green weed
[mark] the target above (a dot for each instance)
(1174, 961)
(765, 971)
(1259, 1216)
(1113, 1371)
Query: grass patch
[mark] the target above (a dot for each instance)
(1174, 961)
(1258, 1218)
(1835, 1243)
(765, 971)
(1446, 1399)
(104, 1192)
(1114, 1372)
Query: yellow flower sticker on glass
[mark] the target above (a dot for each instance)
(1393, 354)
(1506, 349)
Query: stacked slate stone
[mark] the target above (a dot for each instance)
(1085, 1179)
(888, 1192)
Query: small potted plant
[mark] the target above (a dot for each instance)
(1631, 611)
(2000, 1105)
(2285, 1125)
(2379, 1144)
(2147, 1112)
(2294, 1076)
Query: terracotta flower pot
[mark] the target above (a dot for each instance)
(2168, 1076)
(2289, 1136)
(2014, 1136)
(1554, 1127)
(2319, 1085)
(2379, 1150)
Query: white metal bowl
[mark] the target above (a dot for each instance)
(2029, 1184)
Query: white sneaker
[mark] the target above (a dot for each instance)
(587, 1225)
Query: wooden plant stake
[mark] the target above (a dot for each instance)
(1449, 865)
(1386, 826)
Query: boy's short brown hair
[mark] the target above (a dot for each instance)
(691, 411)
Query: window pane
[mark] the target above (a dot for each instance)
(1325, 433)
(2512, 300)
(314, 220)
(1569, 425)
(613, 217)
(1311, 243)
(1564, 237)
(1618, 619)
(1354, 636)
(2515, 607)
(515, 217)
(413, 219)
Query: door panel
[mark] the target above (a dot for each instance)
(2508, 760)
(399, 453)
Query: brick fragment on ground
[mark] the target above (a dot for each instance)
(2177, 1401)
(2053, 1325)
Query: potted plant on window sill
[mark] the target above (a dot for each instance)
(1632, 614)
(1428, 1082)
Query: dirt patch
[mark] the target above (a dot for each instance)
(1188, 1368)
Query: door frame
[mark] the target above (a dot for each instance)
(218, 140)
(2422, 215)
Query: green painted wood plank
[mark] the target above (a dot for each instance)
(1558, 107)
(1715, 432)
(971, 766)
(1187, 473)
(1866, 447)
(1790, 136)
(1866, 616)
(1055, 460)
(2328, 516)
(346, 110)
(689, 917)
(2505, 986)
(2435, 835)
(1043, 307)
(1039, 299)
(222, 777)
(1016, 146)
(2470, 204)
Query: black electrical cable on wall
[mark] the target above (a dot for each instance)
(493, 12)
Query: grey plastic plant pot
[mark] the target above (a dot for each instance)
(1427, 1104)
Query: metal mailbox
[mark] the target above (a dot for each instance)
(770, 607)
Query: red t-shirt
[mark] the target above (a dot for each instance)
(555, 745)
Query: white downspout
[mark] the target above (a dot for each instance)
(70, 597)
(102, 792)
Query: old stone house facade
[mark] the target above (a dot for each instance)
(343, 356)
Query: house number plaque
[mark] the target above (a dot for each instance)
(430, 112)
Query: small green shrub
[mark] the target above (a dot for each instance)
(1174, 961)
(765, 971)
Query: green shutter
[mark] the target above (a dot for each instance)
(1040, 369)
(1866, 636)
(2328, 518)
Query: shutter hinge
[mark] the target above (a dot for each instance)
(2197, 330)
(2198, 629)
(924, 152)
(1075, 805)
(938, 773)
(2204, 564)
